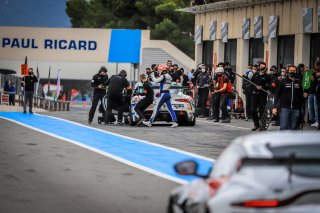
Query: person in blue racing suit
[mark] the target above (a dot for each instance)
(164, 96)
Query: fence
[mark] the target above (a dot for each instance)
(51, 105)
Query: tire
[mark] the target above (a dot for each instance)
(126, 120)
(181, 122)
(191, 123)
(131, 122)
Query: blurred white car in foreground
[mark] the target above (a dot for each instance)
(266, 172)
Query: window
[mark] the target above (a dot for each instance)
(230, 53)
(315, 50)
(207, 53)
(256, 50)
(285, 50)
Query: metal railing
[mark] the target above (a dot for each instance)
(51, 105)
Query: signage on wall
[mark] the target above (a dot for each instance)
(273, 26)
(246, 28)
(213, 30)
(51, 44)
(24, 69)
(258, 24)
(224, 32)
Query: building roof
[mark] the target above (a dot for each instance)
(225, 5)
(6, 71)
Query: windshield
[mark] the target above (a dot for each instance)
(176, 88)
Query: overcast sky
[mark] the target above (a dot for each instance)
(34, 13)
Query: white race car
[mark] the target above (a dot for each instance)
(276, 172)
(182, 104)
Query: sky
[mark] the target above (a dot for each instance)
(34, 13)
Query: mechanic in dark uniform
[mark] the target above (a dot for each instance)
(274, 79)
(247, 88)
(290, 94)
(203, 89)
(116, 84)
(97, 83)
(147, 100)
(259, 97)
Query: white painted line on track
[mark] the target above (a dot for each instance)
(226, 125)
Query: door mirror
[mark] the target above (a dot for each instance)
(188, 167)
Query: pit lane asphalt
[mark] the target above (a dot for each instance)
(206, 138)
(45, 174)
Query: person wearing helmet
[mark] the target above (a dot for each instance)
(97, 83)
(27, 82)
(221, 96)
(164, 96)
(116, 84)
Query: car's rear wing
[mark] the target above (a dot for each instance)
(288, 162)
(278, 161)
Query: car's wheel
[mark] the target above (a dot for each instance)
(192, 123)
(126, 120)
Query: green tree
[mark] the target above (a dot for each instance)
(77, 10)
(160, 16)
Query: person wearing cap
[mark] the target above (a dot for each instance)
(27, 82)
(97, 83)
(164, 96)
(145, 102)
(203, 89)
(116, 84)
(259, 95)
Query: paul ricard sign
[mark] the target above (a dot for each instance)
(54, 44)
(63, 44)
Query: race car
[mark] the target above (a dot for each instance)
(182, 104)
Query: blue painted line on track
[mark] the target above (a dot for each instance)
(147, 155)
